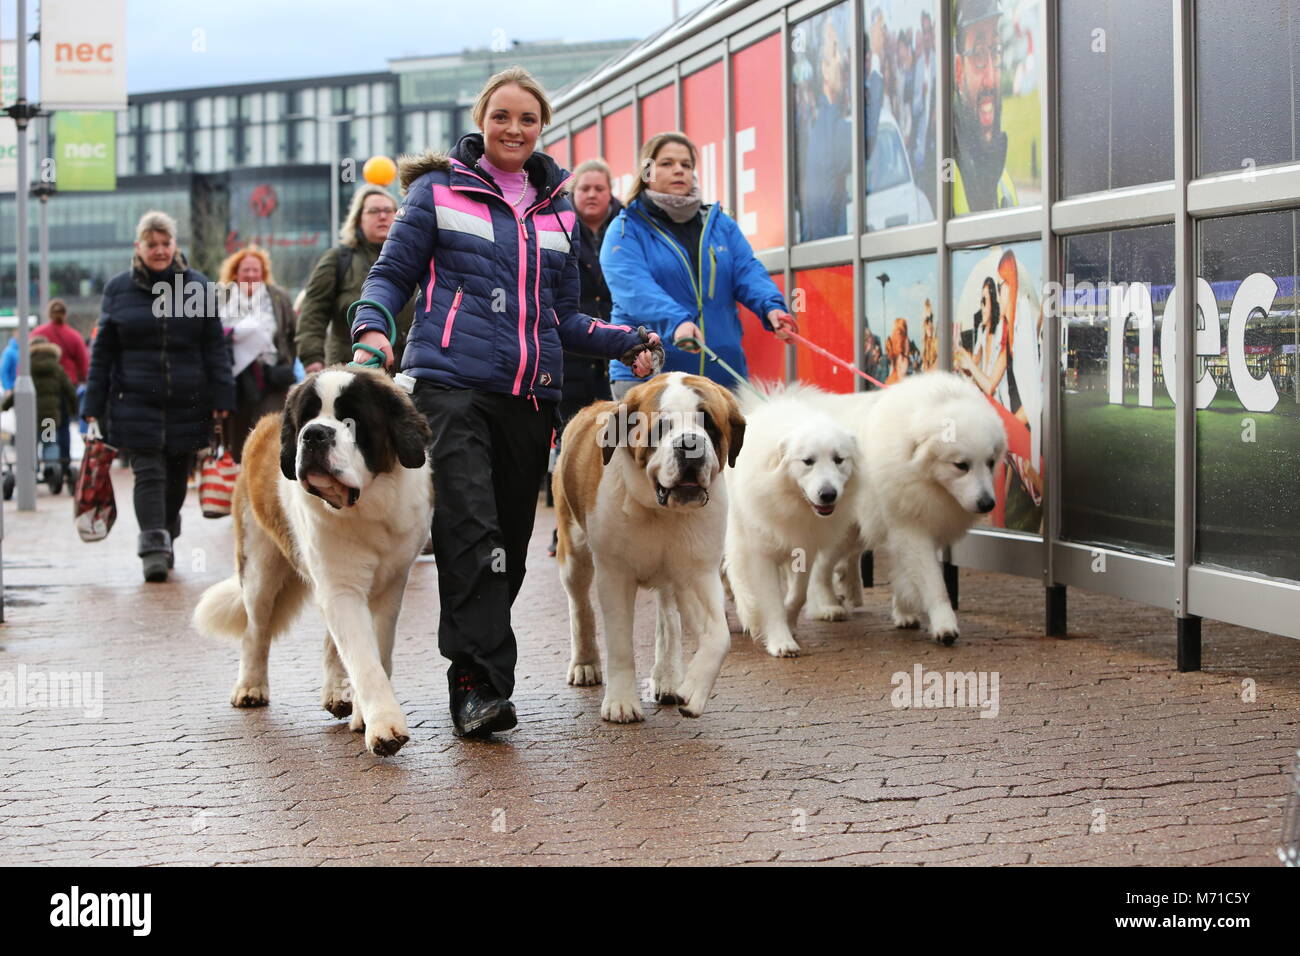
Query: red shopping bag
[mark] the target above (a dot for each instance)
(217, 480)
(94, 507)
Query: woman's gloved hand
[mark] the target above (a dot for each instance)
(647, 358)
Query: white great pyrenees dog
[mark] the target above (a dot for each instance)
(931, 443)
(794, 497)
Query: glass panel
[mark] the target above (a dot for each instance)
(823, 142)
(359, 97)
(1117, 94)
(996, 117)
(379, 98)
(899, 122)
(702, 114)
(171, 114)
(203, 111)
(1247, 59)
(997, 326)
(1248, 426)
(823, 301)
(272, 111)
(758, 144)
(1114, 390)
(414, 129)
(899, 337)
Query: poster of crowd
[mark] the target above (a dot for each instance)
(899, 337)
(820, 73)
(900, 66)
(997, 318)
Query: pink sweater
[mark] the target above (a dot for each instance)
(511, 184)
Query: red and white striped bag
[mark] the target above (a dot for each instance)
(217, 480)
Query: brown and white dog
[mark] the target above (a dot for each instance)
(333, 499)
(641, 500)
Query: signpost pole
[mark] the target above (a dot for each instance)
(24, 390)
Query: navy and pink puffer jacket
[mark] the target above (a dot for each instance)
(498, 288)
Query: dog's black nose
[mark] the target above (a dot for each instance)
(689, 445)
(318, 434)
(827, 495)
(985, 504)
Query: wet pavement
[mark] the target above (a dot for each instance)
(1095, 749)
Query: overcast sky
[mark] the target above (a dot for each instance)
(250, 40)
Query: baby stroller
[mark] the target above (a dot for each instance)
(50, 471)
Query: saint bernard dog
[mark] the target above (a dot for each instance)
(339, 509)
(641, 500)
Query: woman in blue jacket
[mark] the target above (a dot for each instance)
(678, 267)
(489, 238)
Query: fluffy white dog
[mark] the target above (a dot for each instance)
(929, 447)
(794, 496)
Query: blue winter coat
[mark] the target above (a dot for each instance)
(652, 284)
(499, 299)
(159, 363)
(9, 365)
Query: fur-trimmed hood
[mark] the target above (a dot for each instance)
(142, 275)
(40, 346)
(543, 172)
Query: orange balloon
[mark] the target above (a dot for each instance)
(379, 170)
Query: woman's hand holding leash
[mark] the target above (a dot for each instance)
(647, 358)
(687, 337)
(376, 340)
(782, 324)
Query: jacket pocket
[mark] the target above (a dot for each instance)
(713, 269)
(556, 318)
(451, 317)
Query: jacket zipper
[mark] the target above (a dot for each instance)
(677, 248)
(451, 317)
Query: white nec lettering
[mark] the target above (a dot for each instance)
(1132, 302)
(75, 909)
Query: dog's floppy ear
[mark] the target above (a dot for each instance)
(289, 434)
(407, 427)
(735, 427)
(777, 458)
(611, 433)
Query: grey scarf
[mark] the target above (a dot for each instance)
(679, 208)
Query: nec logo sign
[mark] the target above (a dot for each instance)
(83, 53)
(85, 151)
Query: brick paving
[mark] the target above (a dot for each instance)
(1101, 752)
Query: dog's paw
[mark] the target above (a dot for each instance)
(250, 695)
(584, 675)
(904, 621)
(693, 700)
(337, 700)
(828, 612)
(358, 723)
(621, 710)
(385, 735)
(783, 646)
(943, 625)
(946, 637)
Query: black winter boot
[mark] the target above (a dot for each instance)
(155, 548)
(174, 529)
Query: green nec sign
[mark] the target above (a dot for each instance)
(85, 151)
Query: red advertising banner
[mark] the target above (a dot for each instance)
(620, 150)
(558, 150)
(759, 147)
(702, 121)
(658, 113)
(822, 304)
(764, 352)
(585, 144)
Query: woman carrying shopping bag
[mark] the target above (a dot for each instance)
(160, 374)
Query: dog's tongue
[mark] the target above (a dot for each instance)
(335, 493)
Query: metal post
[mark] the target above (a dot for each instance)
(24, 390)
(943, 267)
(333, 126)
(1054, 599)
(1188, 626)
(42, 190)
(787, 174)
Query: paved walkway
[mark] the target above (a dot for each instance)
(1100, 752)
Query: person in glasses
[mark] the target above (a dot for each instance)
(981, 180)
(323, 336)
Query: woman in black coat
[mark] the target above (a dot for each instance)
(159, 373)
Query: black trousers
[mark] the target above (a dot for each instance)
(488, 455)
(160, 483)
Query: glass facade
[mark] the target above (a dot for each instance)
(1089, 135)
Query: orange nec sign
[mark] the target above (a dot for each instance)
(83, 53)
